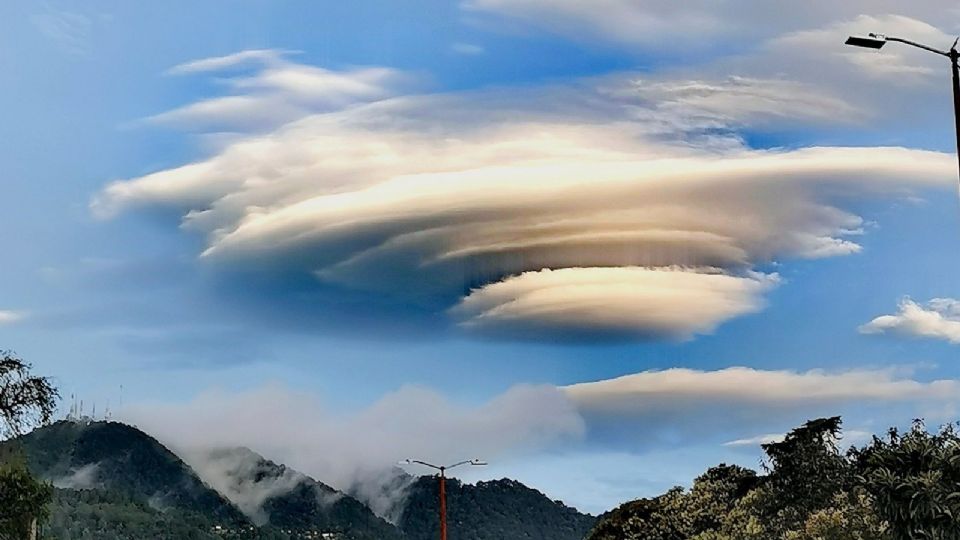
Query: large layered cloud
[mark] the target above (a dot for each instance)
(620, 206)
(937, 319)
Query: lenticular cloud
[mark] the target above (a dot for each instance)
(621, 301)
(579, 210)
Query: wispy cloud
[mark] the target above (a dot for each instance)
(9, 316)
(71, 31)
(271, 90)
(849, 437)
(757, 440)
(256, 57)
(692, 26)
(469, 49)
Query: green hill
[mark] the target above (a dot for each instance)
(110, 515)
(114, 457)
(496, 510)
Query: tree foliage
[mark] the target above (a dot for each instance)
(914, 481)
(806, 472)
(23, 500)
(811, 491)
(25, 400)
(113, 515)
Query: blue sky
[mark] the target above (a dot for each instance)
(472, 206)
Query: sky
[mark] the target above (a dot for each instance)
(602, 245)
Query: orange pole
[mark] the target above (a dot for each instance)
(443, 506)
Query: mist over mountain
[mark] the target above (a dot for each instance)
(272, 494)
(114, 481)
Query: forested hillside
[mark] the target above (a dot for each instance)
(273, 494)
(494, 510)
(120, 459)
(905, 486)
(115, 482)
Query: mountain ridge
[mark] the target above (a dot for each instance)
(116, 482)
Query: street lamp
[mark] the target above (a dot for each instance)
(443, 489)
(876, 41)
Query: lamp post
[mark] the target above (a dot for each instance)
(876, 41)
(443, 489)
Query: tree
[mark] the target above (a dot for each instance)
(659, 518)
(715, 493)
(807, 471)
(914, 480)
(852, 516)
(23, 500)
(25, 401)
(807, 494)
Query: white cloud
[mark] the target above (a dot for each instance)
(678, 387)
(678, 407)
(688, 399)
(937, 319)
(9, 316)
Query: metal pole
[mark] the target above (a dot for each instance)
(443, 504)
(954, 57)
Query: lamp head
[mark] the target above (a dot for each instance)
(873, 41)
